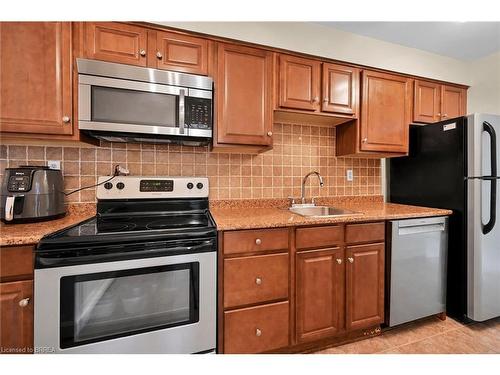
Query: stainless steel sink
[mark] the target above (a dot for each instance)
(322, 211)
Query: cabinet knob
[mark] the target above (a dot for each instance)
(445, 115)
(351, 260)
(142, 52)
(339, 261)
(365, 140)
(258, 241)
(159, 55)
(439, 114)
(270, 134)
(66, 119)
(315, 99)
(325, 100)
(258, 281)
(258, 332)
(24, 302)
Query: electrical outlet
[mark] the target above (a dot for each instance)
(54, 164)
(349, 175)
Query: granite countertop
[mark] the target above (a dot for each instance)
(31, 233)
(233, 216)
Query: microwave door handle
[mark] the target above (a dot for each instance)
(181, 110)
(9, 208)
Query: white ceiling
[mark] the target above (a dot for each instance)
(461, 40)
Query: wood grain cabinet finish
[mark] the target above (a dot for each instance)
(385, 112)
(256, 329)
(255, 279)
(319, 294)
(364, 286)
(16, 263)
(35, 77)
(340, 89)
(453, 102)
(16, 317)
(299, 83)
(366, 232)
(243, 87)
(182, 53)
(249, 241)
(427, 102)
(317, 237)
(116, 42)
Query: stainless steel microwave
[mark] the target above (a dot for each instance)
(123, 103)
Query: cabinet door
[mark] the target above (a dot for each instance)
(299, 83)
(340, 89)
(320, 294)
(452, 102)
(116, 42)
(365, 285)
(16, 317)
(182, 53)
(243, 87)
(426, 103)
(35, 77)
(385, 119)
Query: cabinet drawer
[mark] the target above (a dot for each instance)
(255, 240)
(255, 279)
(16, 263)
(369, 232)
(256, 329)
(327, 236)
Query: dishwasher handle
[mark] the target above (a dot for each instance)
(421, 228)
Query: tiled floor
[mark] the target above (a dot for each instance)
(429, 336)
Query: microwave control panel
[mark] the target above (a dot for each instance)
(198, 113)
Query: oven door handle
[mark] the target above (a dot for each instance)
(45, 260)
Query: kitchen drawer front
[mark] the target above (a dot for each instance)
(246, 241)
(256, 329)
(255, 279)
(317, 237)
(369, 232)
(16, 263)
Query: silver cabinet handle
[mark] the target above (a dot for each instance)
(351, 260)
(258, 281)
(339, 261)
(24, 302)
(270, 134)
(439, 114)
(258, 241)
(66, 119)
(142, 52)
(258, 332)
(365, 140)
(159, 55)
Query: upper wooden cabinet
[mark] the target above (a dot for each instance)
(183, 53)
(116, 42)
(385, 112)
(299, 83)
(35, 77)
(340, 89)
(243, 89)
(434, 102)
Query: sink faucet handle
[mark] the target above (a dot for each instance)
(313, 200)
(291, 201)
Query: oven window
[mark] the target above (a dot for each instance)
(101, 306)
(133, 107)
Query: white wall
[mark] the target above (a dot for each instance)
(320, 40)
(484, 93)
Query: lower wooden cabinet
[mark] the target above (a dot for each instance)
(16, 317)
(364, 285)
(319, 293)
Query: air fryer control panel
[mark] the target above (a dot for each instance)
(19, 180)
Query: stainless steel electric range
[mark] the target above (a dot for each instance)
(140, 277)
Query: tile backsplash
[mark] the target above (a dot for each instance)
(298, 149)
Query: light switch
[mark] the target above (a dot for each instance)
(54, 164)
(349, 175)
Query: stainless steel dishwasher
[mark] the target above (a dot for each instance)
(416, 269)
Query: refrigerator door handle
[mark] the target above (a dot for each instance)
(493, 192)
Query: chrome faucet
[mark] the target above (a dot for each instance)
(303, 187)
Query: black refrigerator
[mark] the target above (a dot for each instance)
(453, 165)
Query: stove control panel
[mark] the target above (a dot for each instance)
(142, 187)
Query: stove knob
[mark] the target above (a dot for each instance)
(199, 185)
(190, 185)
(120, 185)
(108, 185)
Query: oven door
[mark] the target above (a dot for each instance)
(134, 107)
(154, 305)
